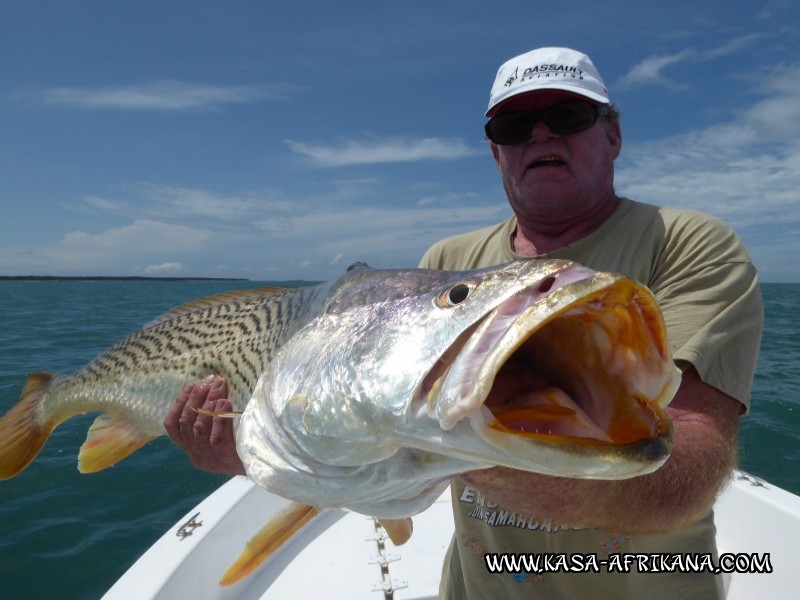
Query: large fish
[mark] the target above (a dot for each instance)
(371, 391)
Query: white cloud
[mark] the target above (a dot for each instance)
(194, 231)
(164, 95)
(448, 199)
(755, 189)
(778, 114)
(649, 70)
(354, 188)
(732, 46)
(352, 152)
(773, 7)
(379, 234)
(106, 205)
(181, 202)
(144, 233)
(745, 171)
(163, 268)
(184, 204)
(110, 252)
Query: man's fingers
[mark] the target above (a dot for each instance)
(182, 418)
(222, 440)
(172, 420)
(200, 421)
(208, 440)
(221, 427)
(196, 426)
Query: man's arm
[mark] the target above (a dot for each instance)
(207, 440)
(679, 493)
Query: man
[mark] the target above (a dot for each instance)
(554, 136)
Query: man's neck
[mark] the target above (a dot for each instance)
(534, 239)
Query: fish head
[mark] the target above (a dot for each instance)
(568, 376)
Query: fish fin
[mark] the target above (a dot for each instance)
(21, 433)
(358, 267)
(218, 299)
(111, 438)
(269, 539)
(398, 530)
(227, 414)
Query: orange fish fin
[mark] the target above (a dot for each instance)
(398, 530)
(269, 538)
(111, 438)
(21, 433)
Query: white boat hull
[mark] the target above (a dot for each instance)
(343, 555)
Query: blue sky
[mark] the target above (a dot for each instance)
(275, 140)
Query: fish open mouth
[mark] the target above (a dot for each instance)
(587, 363)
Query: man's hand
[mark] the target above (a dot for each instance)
(207, 440)
(680, 492)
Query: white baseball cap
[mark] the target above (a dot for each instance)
(548, 69)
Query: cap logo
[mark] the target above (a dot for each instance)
(552, 70)
(510, 81)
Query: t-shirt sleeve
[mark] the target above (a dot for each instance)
(481, 248)
(709, 294)
(432, 258)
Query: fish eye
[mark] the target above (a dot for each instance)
(456, 294)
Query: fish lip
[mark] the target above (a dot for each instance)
(524, 327)
(586, 459)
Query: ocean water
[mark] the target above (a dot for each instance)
(65, 535)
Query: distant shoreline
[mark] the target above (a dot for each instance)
(112, 278)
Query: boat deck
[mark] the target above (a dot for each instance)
(347, 555)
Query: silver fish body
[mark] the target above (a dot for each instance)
(393, 388)
(373, 390)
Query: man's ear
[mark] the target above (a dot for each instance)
(614, 134)
(495, 153)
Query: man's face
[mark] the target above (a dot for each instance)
(552, 179)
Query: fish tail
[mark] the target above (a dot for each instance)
(269, 538)
(22, 435)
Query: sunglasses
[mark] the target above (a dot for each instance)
(562, 119)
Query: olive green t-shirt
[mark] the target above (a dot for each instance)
(708, 292)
